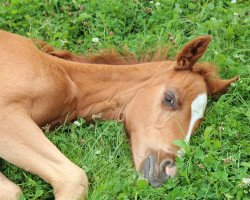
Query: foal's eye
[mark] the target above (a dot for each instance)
(169, 99)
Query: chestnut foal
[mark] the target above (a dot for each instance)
(158, 102)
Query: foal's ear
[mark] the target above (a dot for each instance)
(191, 52)
(217, 86)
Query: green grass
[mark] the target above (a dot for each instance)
(218, 159)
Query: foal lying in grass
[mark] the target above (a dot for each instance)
(158, 102)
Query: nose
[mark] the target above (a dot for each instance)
(157, 174)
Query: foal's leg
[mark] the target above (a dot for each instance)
(24, 144)
(8, 190)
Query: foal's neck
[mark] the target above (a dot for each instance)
(108, 89)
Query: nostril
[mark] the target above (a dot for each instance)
(166, 163)
(170, 171)
(168, 167)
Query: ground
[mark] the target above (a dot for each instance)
(217, 159)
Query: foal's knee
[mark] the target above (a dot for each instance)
(73, 186)
(10, 191)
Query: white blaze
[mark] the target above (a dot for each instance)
(197, 110)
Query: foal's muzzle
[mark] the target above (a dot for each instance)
(157, 173)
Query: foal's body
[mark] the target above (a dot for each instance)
(37, 89)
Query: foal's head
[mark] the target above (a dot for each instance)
(170, 109)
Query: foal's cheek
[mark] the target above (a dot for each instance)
(139, 150)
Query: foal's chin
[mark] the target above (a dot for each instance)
(157, 173)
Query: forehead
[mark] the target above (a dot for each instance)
(187, 83)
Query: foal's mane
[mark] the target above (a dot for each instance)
(106, 56)
(125, 57)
